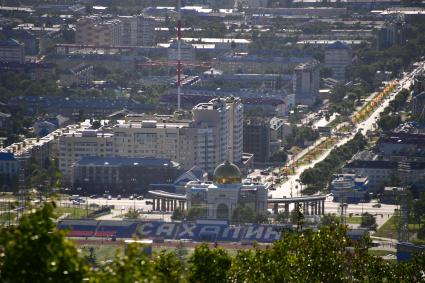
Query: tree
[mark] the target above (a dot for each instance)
(368, 221)
(280, 156)
(329, 219)
(282, 217)
(178, 214)
(169, 267)
(195, 213)
(36, 251)
(244, 214)
(96, 124)
(209, 265)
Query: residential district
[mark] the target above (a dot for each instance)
(233, 123)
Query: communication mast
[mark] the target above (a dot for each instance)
(179, 54)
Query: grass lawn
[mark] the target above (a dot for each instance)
(72, 212)
(389, 229)
(103, 252)
(354, 220)
(380, 252)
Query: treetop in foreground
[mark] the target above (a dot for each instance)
(36, 251)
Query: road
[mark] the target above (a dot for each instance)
(292, 187)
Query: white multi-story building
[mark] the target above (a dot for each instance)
(213, 135)
(226, 116)
(75, 145)
(337, 58)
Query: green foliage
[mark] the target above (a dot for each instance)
(300, 135)
(280, 156)
(206, 265)
(169, 267)
(195, 213)
(129, 268)
(282, 217)
(35, 251)
(244, 214)
(329, 220)
(322, 172)
(132, 214)
(368, 221)
(389, 118)
(178, 214)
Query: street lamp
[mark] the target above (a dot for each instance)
(86, 181)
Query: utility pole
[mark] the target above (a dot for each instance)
(403, 231)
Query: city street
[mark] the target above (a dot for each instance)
(291, 187)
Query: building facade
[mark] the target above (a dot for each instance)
(219, 199)
(98, 31)
(349, 188)
(306, 83)
(337, 58)
(213, 133)
(187, 52)
(138, 30)
(76, 145)
(9, 167)
(256, 139)
(121, 175)
(12, 51)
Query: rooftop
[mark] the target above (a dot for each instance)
(125, 161)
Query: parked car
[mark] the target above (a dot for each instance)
(131, 197)
(140, 197)
(377, 205)
(149, 202)
(118, 197)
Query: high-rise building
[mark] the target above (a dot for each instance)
(137, 30)
(306, 83)
(393, 32)
(225, 116)
(256, 139)
(98, 31)
(337, 58)
(12, 51)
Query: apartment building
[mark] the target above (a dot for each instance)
(225, 116)
(213, 134)
(98, 31)
(137, 30)
(306, 83)
(75, 145)
(12, 51)
(338, 58)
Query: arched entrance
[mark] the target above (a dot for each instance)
(222, 211)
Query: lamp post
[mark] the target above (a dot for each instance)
(86, 180)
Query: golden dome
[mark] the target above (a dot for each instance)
(227, 173)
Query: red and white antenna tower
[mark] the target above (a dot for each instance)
(179, 54)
